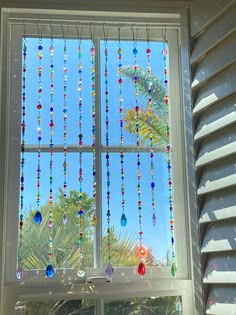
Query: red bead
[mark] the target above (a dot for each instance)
(141, 269)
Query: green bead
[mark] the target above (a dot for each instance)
(173, 269)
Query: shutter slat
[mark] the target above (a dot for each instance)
(219, 237)
(217, 146)
(214, 34)
(221, 300)
(216, 89)
(217, 176)
(215, 61)
(220, 269)
(219, 206)
(219, 116)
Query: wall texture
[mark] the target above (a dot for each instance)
(213, 62)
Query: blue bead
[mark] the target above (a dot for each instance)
(40, 47)
(50, 271)
(152, 184)
(37, 217)
(123, 220)
(135, 51)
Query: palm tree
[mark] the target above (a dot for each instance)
(66, 253)
(154, 119)
(66, 238)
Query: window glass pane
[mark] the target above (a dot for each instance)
(32, 87)
(127, 75)
(66, 236)
(169, 305)
(63, 307)
(125, 239)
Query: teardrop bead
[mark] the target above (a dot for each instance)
(141, 269)
(123, 220)
(37, 217)
(109, 270)
(94, 221)
(50, 271)
(80, 273)
(64, 219)
(154, 219)
(173, 269)
(19, 273)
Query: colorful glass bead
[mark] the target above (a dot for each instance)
(50, 271)
(64, 219)
(142, 251)
(19, 273)
(154, 219)
(123, 220)
(109, 270)
(37, 217)
(141, 269)
(94, 220)
(81, 273)
(173, 269)
(92, 51)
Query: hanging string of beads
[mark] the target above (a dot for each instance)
(169, 166)
(38, 215)
(65, 69)
(81, 271)
(93, 92)
(141, 250)
(19, 271)
(109, 269)
(150, 111)
(50, 269)
(123, 219)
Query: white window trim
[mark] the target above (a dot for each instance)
(164, 284)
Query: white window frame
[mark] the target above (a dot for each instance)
(125, 282)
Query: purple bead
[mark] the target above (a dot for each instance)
(109, 270)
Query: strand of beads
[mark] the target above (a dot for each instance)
(19, 271)
(123, 219)
(169, 166)
(141, 266)
(65, 69)
(50, 269)
(151, 113)
(81, 271)
(38, 215)
(92, 52)
(109, 269)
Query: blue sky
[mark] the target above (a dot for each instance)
(157, 237)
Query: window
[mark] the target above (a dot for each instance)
(66, 284)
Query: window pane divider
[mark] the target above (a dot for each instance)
(98, 228)
(87, 148)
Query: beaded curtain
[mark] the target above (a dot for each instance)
(124, 218)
